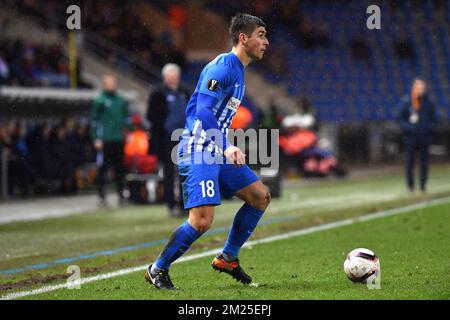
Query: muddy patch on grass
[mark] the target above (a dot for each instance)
(42, 279)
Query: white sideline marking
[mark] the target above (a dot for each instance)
(286, 235)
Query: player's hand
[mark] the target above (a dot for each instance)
(235, 155)
(98, 144)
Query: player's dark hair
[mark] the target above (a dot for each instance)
(244, 23)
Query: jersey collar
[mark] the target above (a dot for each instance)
(237, 59)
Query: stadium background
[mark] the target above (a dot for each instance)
(322, 58)
(351, 77)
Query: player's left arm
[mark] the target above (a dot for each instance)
(216, 80)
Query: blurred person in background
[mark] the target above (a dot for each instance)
(360, 49)
(166, 113)
(83, 153)
(404, 47)
(62, 165)
(42, 157)
(20, 168)
(81, 142)
(137, 159)
(7, 129)
(301, 147)
(417, 118)
(4, 69)
(109, 118)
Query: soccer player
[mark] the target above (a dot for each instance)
(204, 176)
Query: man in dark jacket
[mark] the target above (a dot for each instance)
(110, 117)
(166, 113)
(417, 118)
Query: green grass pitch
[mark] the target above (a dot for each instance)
(413, 247)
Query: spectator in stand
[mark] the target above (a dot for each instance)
(20, 168)
(110, 118)
(112, 21)
(164, 52)
(166, 109)
(137, 157)
(4, 69)
(42, 159)
(25, 64)
(311, 36)
(404, 48)
(74, 154)
(360, 50)
(63, 169)
(290, 14)
(7, 145)
(308, 34)
(177, 15)
(82, 149)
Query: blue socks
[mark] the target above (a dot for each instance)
(179, 243)
(244, 223)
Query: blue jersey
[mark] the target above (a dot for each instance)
(222, 82)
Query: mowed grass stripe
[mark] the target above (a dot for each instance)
(40, 242)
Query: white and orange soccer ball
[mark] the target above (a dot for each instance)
(361, 265)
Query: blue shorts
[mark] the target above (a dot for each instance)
(204, 183)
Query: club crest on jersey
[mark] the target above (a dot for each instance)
(212, 85)
(233, 104)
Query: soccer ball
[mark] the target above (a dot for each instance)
(361, 265)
